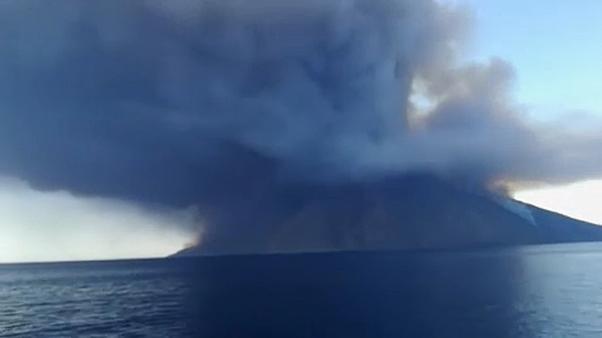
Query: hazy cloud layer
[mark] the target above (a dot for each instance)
(47, 226)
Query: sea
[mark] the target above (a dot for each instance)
(534, 291)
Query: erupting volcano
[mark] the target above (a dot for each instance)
(286, 126)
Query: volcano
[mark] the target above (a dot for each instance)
(409, 212)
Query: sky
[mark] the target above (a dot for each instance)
(59, 226)
(555, 50)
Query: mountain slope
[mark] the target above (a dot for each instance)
(398, 213)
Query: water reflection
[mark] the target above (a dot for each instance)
(361, 295)
(561, 290)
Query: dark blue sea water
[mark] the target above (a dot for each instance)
(546, 291)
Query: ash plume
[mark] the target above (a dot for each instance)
(222, 105)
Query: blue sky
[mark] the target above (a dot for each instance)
(555, 47)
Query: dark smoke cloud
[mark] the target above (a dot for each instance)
(220, 103)
(171, 100)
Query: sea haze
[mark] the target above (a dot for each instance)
(543, 291)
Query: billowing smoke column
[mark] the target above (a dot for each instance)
(218, 104)
(164, 100)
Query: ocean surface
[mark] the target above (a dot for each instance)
(539, 291)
